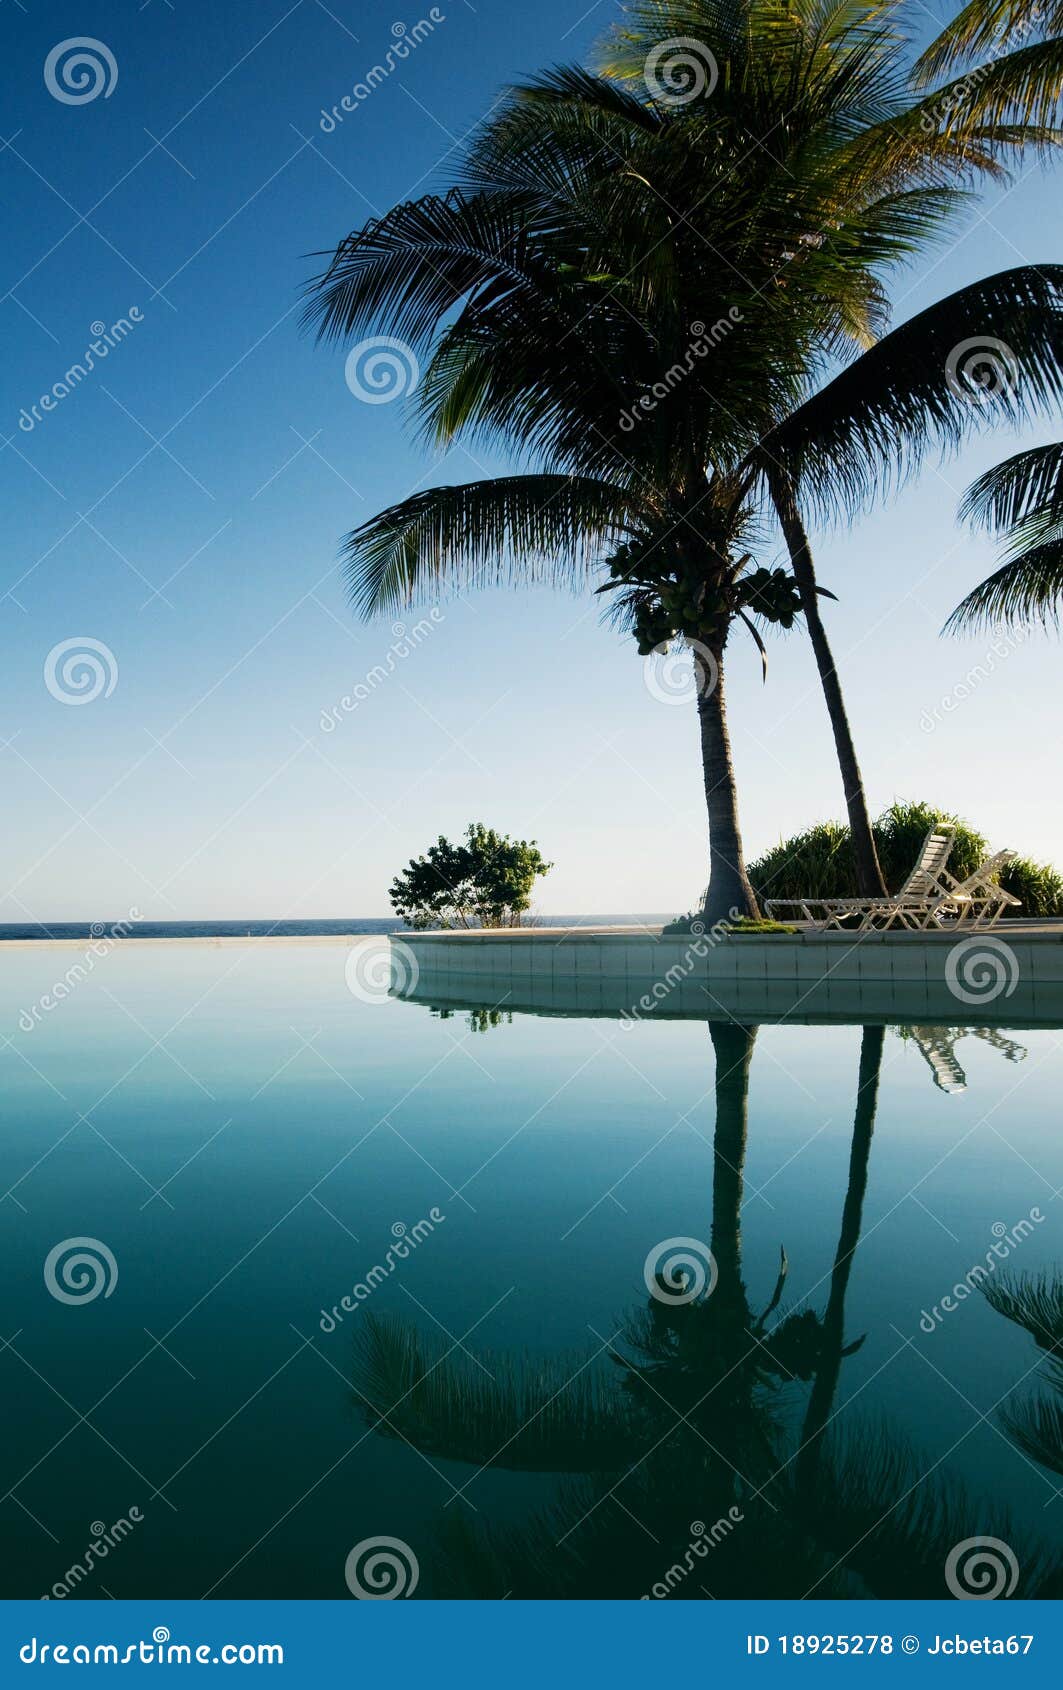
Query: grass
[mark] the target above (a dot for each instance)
(692, 923)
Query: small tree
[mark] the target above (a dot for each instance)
(486, 881)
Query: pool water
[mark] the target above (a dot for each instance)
(552, 1306)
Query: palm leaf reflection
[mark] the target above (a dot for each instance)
(1035, 1302)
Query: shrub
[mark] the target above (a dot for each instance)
(818, 863)
(486, 881)
(900, 831)
(1037, 884)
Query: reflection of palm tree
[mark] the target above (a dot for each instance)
(689, 1433)
(696, 1434)
(833, 1348)
(565, 1415)
(703, 1357)
(1036, 1304)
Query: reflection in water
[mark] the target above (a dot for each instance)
(479, 1020)
(937, 1045)
(1036, 1304)
(699, 1450)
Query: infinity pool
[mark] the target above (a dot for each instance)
(550, 1306)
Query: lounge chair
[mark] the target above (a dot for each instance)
(928, 898)
(984, 899)
(937, 1046)
(926, 895)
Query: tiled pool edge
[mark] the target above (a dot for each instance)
(634, 975)
(1033, 956)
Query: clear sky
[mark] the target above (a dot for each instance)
(182, 507)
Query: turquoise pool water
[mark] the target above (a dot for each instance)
(509, 1394)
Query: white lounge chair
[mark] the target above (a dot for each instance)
(937, 1045)
(926, 895)
(930, 896)
(984, 899)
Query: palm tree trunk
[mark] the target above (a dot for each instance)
(728, 1407)
(821, 1398)
(733, 1048)
(729, 894)
(870, 883)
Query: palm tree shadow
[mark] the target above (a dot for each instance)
(677, 1457)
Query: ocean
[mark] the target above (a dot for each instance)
(351, 926)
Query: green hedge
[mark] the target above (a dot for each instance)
(819, 864)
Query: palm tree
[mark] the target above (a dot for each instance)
(560, 282)
(971, 119)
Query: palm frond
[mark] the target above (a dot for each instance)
(1026, 588)
(558, 1415)
(983, 25)
(895, 1526)
(1020, 87)
(990, 354)
(524, 528)
(1009, 492)
(403, 272)
(1035, 1302)
(1032, 1301)
(1037, 1427)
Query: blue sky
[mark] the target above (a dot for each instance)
(182, 506)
